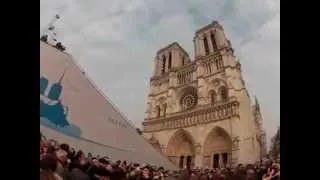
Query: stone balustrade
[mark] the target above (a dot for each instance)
(186, 74)
(214, 64)
(199, 115)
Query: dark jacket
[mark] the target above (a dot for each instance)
(77, 174)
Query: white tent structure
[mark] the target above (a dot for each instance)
(74, 111)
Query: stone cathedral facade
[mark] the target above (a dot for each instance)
(199, 113)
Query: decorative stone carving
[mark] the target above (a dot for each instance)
(216, 83)
(235, 143)
(189, 101)
(163, 148)
(198, 148)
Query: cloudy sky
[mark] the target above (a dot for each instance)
(116, 40)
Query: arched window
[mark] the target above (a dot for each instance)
(213, 97)
(223, 93)
(214, 43)
(170, 59)
(158, 111)
(164, 109)
(206, 45)
(163, 68)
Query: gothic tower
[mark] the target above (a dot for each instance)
(199, 110)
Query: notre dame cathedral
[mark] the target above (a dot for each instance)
(199, 113)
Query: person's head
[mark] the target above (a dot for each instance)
(124, 163)
(52, 143)
(146, 172)
(95, 162)
(118, 162)
(43, 148)
(84, 164)
(109, 168)
(103, 162)
(250, 174)
(80, 155)
(61, 155)
(48, 162)
(161, 169)
(65, 147)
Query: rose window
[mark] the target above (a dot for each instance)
(189, 101)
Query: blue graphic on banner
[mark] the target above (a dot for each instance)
(53, 113)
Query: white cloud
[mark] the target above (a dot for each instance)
(112, 36)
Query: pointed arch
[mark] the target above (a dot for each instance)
(164, 107)
(213, 41)
(181, 148)
(217, 148)
(218, 82)
(213, 96)
(223, 93)
(181, 143)
(206, 45)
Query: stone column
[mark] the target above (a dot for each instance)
(201, 50)
(198, 155)
(234, 159)
(156, 66)
(197, 46)
(166, 69)
(221, 160)
(172, 79)
(202, 91)
(175, 58)
(221, 39)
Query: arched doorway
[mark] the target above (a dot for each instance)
(217, 148)
(180, 149)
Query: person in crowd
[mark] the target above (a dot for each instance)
(79, 172)
(62, 162)
(48, 166)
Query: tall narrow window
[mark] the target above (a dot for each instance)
(170, 59)
(206, 45)
(213, 97)
(158, 111)
(163, 69)
(223, 93)
(214, 43)
(182, 60)
(164, 109)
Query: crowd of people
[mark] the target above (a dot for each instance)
(62, 162)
